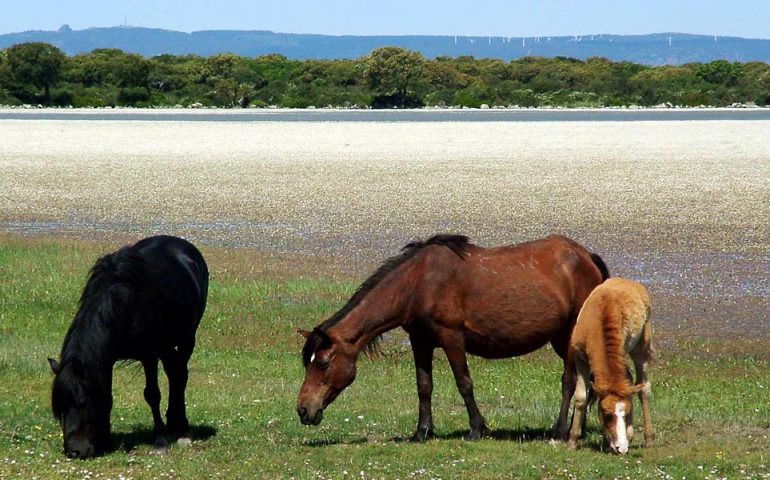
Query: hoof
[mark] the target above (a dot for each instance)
(479, 433)
(422, 435)
(572, 445)
(184, 441)
(159, 450)
(160, 445)
(559, 435)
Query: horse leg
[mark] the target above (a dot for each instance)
(581, 403)
(641, 356)
(568, 380)
(423, 362)
(175, 366)
(455, 352)
(152, 396)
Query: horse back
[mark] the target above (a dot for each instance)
(623, 303)
(508, 300)
(168, 307)
(555, 268)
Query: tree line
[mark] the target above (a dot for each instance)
(389, 77)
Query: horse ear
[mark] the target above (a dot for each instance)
(600, 392)
(54, 365)
(304, 333)
(326, 340)
(637, 388)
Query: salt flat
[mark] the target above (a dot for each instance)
(682, 206)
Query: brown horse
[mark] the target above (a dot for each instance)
(448, 293)
(613, 323)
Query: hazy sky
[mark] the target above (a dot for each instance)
(745, 18)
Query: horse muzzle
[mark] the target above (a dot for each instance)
(80, 451)
(310, 418)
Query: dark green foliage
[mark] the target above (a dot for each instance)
(388, 77)
(29, 67)
(395, 76)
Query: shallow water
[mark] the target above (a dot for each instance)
(420, 115)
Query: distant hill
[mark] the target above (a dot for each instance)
(653, 49)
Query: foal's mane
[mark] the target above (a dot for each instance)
(614, 351)
(457, 243)
(111, 284)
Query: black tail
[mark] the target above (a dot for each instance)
(601, 266)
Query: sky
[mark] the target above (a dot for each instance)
(743, 18)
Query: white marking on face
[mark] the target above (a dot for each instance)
(620, 428)
(312, 357)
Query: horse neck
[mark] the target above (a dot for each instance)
(385, 307)
(606, 356)
(92, 343)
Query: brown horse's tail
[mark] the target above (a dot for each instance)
(601, 266)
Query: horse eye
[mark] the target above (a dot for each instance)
(323, 364)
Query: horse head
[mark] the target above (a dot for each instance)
(616, 414)
(330, 366)
(79, 404)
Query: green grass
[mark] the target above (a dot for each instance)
(711, 411)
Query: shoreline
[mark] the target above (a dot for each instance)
(272, 110)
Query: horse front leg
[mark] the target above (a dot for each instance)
(581, 404)
(423, 362)
(152, 396)
(455, 352)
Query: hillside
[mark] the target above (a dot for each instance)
(653, 49)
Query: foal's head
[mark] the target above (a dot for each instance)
(330, 366)
(81, 407)
(616, 412)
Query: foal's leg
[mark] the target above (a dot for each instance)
(581, 403)
(641, 355)
(423, 362)
(455, 352)
(152, 396)
(175, 366)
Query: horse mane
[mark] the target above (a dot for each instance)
(112, 283)
(614, 352)
(457, 243)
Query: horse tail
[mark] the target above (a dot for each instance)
(601, 266)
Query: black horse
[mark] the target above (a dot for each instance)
(143, 302)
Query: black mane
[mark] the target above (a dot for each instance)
(112, 283)
(456, 243)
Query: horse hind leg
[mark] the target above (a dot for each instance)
(175, 366)
(641, 356)
(568, 381)
(152, 396)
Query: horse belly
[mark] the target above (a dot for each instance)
(509, 339)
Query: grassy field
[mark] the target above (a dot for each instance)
(711, 399)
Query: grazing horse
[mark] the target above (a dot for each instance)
(613, 323)
(448, 293)
(143, 302)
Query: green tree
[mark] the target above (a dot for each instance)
(109, 66)
(394, 73)
(720, 72)
(36, 64)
